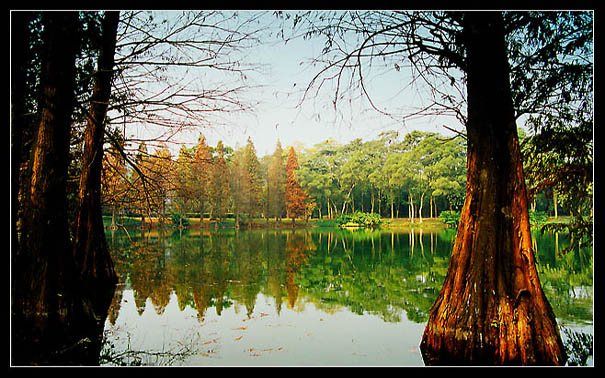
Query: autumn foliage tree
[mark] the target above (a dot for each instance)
(276, 184)
(219, 184)
(295, 195)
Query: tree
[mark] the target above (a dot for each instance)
(253, 202)
(51, 308)
(183, 183)
(90, 246)
(114, 183)
(558, 65)
(295, 196)
(491, 309)
(492, 292)
(201, 170)
(240, 185)
(276, 185)
(219, 186)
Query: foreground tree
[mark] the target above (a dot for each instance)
(491, 309)
(90, 246)
(52, 312)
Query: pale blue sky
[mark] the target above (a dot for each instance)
(282, 80)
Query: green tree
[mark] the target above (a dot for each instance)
(220, 192)
(253, 203)
(240, 185)
(201, 173)
(184, 190)
(276, 185)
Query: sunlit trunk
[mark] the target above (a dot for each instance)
(420, 208)
(491, 309)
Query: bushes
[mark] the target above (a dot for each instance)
(359, 219)
(450, 218)
(177, 218)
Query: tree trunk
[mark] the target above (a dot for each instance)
(50, 309)
(491, 309)
(411, 197)
(420, 208)
(90, 246)
(20, 44)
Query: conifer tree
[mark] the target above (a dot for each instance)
(295, 196)
(219, 186)
(255, 181)
(201, 171)
(276, 185)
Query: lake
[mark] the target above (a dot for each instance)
(304, 297)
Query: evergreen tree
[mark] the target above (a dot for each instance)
(219, 186)
(201, 171)
(295, 196)
(276, 185)
(255, 181)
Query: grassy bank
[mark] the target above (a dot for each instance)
(391, 223)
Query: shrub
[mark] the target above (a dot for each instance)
(450, 218)
(178, 218)
(360, 219)
(537, 217)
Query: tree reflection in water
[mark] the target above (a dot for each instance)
(393, 275)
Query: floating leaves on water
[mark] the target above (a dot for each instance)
(257, 352)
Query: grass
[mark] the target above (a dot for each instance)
(391, 223)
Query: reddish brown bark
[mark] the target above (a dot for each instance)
(491, 309)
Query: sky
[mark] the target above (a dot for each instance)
(279, 115)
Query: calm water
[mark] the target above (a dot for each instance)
(324, 297)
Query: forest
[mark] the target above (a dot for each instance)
(415, 177)
(88, 86)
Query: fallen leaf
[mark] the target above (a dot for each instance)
(238, 338)
(263, 314)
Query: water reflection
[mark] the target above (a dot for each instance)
(394, 276)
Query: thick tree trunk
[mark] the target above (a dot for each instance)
(90, 246)
(51, 314)
(20, 42)
(491, 309)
